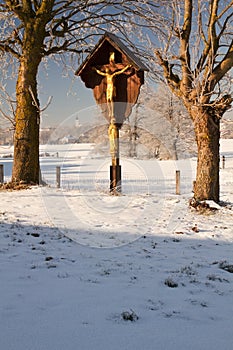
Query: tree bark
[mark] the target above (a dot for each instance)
(27, 118)
(207, 129)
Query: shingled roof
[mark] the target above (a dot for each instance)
(115, 42)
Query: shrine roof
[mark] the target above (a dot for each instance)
(115, 42)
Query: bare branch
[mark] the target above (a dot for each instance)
(35, 103)
(171, 78)
(228, 7)
(222, 68)
(184, 47)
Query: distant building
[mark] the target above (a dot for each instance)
(77, 123)
(68, 139)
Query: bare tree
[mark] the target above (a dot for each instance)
(196, 55)
(170, 120)
(33, 30)
(133, 131)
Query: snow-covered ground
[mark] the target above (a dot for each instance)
(80, 269)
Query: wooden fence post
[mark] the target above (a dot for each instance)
(223, 162)
(58, 176)
(1, 173)
(177, 181)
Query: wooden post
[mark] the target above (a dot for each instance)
(58, 176)
(177, 181)
(1, 173)
(223, 162)
(115, 168)
(115, 179)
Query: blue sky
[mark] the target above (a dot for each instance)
(70, 97)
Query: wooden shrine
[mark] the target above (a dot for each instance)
(115, 75)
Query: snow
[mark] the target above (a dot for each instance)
(74, 260)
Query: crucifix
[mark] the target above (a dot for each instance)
(113, 130)
(115, 75)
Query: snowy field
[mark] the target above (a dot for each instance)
(80, 269)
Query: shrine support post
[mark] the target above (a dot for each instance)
(115, 168)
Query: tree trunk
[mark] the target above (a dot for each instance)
(27, 118)
(207, 129)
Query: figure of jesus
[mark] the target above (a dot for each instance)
(111, 89)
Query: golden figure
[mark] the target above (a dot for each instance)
(111, 89)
